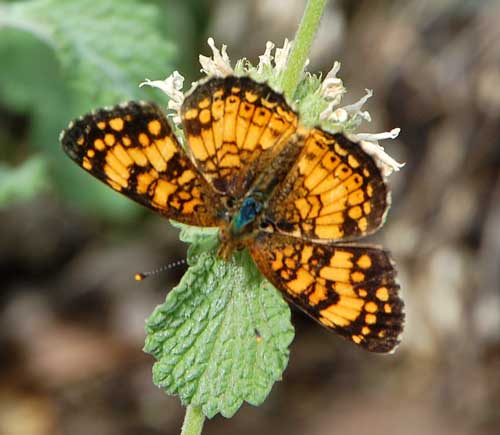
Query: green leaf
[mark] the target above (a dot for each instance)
(222, 335)
(106, 48)
(23, 182)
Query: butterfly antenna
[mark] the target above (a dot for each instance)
(140, 276)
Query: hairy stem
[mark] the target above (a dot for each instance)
(301, 46)
(193, 421)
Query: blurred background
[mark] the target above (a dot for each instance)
(71, 315)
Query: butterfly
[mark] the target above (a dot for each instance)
(295, 197)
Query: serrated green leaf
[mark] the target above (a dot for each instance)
(106, 48)
(23, 182)
(222, 335)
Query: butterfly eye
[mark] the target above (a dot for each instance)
(265, 224)
(229, 202)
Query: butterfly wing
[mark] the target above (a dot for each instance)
(132, 149)
(348, 289)
(233, 127)
(335, 191)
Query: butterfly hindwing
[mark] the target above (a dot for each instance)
(233, 126)
(132, 149)
(349, 289)
(335, 191)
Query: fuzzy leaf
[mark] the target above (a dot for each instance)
(206, 336)
(106, 48)
(23, 182)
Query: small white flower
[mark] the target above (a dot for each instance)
(369, 143)
(281, 56)
(220, 65)
(332, 89)
(172, 87)
(265, 60)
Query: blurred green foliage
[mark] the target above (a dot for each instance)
(60, 59)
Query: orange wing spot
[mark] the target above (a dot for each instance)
(362, 292)
(235, 90)
(116, 124)
(90, 153)
(109, 139)
(167, 147)
(163, 190)
(329, 232)
(143, 139)
(367, 207)
(117, 166)
(355, 212)
(126, 141)
(366, 172)
(114, 185)
(154, 127)
(334, 274)
(86, 164)
(356, 338)
(198, 148)
(381, 334)
(331, 318)
(155, 158)
(353, 162)
(365, 330)
(80, 140)
(339, 150)
(371, 307)
(114, 176)
(186, 177)
(330, 219)
(138, 156)
(205, 116)
(268, 104)
(364, 262)
(189, 207)
(261, 117)
(306, 254)
(369, 190)
(345, 289)
(341, 259)
(303, 207)
(363, 224)
(371, 319)
(387, 308)
(358, 276)
(230, 161)
(251, 97)
(382, 294)
(101, 125)
(203, 104)
(144, 181)
(191, 114)
(319, 294)
(122, 155)
(301, 283)
(353, 303)
(356, 197)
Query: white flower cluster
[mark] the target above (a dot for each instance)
(270, 67)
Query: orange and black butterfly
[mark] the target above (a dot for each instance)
(294, 197)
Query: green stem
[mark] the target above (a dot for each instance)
(301, 45)
(193, 421)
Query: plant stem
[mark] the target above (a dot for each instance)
(193, 421)
(301, 45)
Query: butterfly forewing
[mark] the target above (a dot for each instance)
(233, 127)
(132, 149)
(335, 191)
